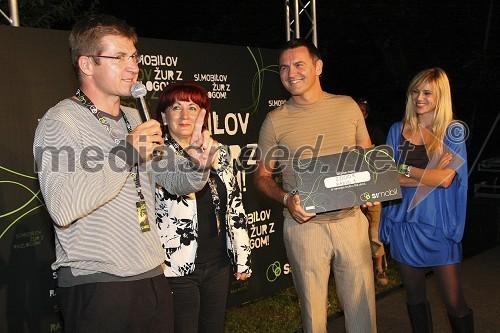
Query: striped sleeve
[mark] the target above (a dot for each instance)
(67, 181)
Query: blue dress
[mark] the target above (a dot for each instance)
(426, 226)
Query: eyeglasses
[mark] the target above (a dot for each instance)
(119, 58)
(362, 101)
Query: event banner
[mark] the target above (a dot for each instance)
(36, 73)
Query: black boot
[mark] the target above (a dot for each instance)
(464, 324)
(420, 317)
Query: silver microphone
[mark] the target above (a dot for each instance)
(138, 91)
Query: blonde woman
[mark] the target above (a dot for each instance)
(425, 227)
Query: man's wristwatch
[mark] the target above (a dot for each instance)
(285, 198)
(287, 195)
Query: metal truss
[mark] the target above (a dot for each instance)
(14, 14)
(294, 10)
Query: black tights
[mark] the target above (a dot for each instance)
(449, 282)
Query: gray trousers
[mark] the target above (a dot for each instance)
(313, 249)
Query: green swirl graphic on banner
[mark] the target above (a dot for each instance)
(35, 195)
(258, 78)
(273, 271)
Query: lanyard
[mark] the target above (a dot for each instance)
(141, 205)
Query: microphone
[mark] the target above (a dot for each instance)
(138, 91)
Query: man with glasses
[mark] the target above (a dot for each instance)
(100, 194)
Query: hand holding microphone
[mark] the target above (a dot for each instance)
(146, 137)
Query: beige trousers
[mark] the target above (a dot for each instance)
(313, 249)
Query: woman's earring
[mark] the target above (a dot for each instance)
(164, 118)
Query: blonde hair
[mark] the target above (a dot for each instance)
(443, 113)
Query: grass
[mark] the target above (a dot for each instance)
(280, 313)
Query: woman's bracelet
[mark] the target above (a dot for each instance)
(404, 169)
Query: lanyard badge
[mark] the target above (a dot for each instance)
(142, 216)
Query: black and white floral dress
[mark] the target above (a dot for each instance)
(177, 221)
